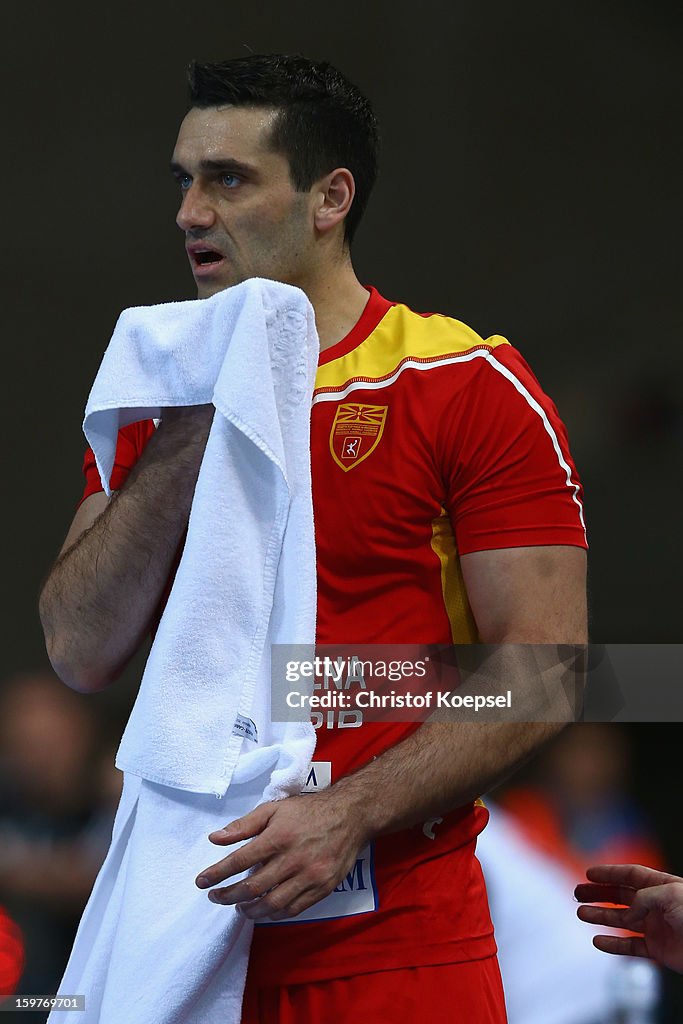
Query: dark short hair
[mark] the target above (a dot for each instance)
(324, 120)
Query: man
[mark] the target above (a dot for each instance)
(447, 508)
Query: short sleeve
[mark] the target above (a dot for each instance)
(129, 447)
(509, 477)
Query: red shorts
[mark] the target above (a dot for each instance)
(464, 993)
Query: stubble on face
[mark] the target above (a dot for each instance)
(275, 249)
(259, 223)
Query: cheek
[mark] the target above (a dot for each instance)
(282, 239)
(278, 215)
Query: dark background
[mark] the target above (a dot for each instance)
(530, 186)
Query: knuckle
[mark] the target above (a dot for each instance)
(296, 907)
(275, 902)
(252, 888)
(285, 837)
(270, 846)
(297, 865)
(324, 873)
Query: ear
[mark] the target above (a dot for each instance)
(334, 196)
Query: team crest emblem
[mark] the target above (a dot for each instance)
(356, 432)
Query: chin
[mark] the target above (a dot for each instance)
(205, 289)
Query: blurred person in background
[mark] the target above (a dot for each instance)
(542, 948)
(57, 802)
(577, 806)
(577, 809)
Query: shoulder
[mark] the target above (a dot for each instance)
(492, 363)
(452, 356)
(437, 334)
(404, 344)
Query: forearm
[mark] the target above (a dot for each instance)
(98, 601)
(451, 759)
(439, 767)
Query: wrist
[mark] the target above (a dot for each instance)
(357, 800)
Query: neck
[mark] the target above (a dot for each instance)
(338, 299)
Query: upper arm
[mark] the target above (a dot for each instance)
(516, 503)
(528, 594)
(86, 514)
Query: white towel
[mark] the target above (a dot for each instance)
(199, 748)
(151, 948)
(247, 574)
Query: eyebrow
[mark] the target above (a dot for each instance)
(214, 166)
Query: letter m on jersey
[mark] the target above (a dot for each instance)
(354, 881)
(356, 432)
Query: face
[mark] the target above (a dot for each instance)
(47, 739)
(240, 212)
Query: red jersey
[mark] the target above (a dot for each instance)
(427, 443)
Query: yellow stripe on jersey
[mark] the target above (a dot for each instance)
(463, 627)
(401, 335)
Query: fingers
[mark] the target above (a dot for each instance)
(248, 827)
(590, 892)
(241, 860)
(280, 902)
(631, 945)
(624, 884)
(244, 828)
(276, 890)
(286, 900)
(261, 896)
(251, 888)
(633, 875)
(235, 864)
(294, 894)
(608, 917)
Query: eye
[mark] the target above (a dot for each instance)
(184, 181)
(229, 180)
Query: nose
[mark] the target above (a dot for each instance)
(195, 210)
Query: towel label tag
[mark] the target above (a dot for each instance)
(245, 728)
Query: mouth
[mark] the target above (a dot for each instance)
(204, 260)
